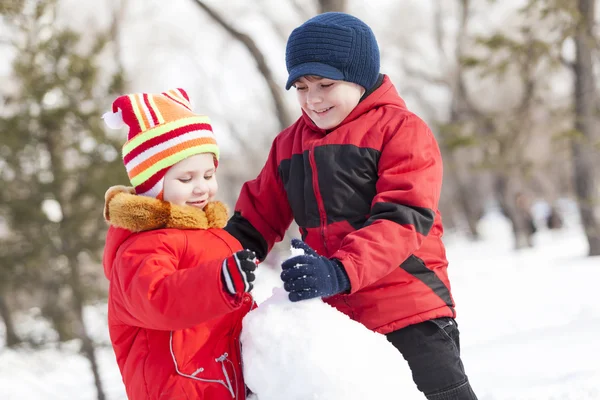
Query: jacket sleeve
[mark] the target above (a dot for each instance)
(155, 294)
(403, 209)
(262, 212)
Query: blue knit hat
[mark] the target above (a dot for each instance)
(333, 45)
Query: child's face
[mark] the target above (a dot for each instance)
(326, 101)
(191, 181)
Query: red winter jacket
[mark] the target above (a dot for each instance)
(367, 194)
(174, 329)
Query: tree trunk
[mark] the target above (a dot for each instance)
(332, 5)
(87, 345)
(12, 339)
(518, 214)
(469, 207)
(471, 212)
(57, 310)
(459, 109)
(585, 125)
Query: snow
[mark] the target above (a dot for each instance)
(529, 322)
(321, 354)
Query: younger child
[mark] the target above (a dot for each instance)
(361, 175)
(179, 283)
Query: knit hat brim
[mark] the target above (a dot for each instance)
(313, 68)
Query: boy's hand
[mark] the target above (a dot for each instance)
(311, 275)
(238, 272)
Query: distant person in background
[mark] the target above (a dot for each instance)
(554, 219)
(179, 283)
(525, 226)
(361, 175)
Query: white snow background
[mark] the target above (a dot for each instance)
(529, 322)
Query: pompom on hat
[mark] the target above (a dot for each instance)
(163, 131)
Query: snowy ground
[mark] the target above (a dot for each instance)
(529, 321)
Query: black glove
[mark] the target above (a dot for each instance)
(238, 272)
(311, 275)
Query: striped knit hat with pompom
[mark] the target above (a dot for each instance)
(163, 130)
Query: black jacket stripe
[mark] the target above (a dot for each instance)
(249, 237)
(347, 177)
(416, 267)
(299, 190)
(421, 218)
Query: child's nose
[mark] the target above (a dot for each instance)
(200, 187)
(314, 98)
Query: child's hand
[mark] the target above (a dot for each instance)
(311, 275)
(238, 272)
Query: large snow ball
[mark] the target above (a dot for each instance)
(309, 350)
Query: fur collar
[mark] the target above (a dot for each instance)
(124, 209)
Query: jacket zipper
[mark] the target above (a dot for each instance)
(239, 348)
(320, 205)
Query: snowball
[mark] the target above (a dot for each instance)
(309, 350)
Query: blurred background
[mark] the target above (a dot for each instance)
(508, 87)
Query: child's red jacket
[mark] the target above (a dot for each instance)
(366, 193)
(174, 329)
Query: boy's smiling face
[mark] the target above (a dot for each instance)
(326, 101)
(191, 181)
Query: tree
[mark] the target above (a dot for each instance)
(586, 122)
(521, 62)
(283, 115)
(453, 143)
(57, 164)
(12, 338)
(575, 20)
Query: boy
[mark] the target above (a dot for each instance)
(361, 175)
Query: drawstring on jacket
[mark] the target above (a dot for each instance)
(221, 359)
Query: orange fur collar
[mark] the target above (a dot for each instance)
(124, 209)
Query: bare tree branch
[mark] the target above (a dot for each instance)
(418, 94)
(301, 10)
(332, 5)
(438, 23)
(462, 31)
(280, 30)
(118, 15)
(281, 110)
(463, 102)
(425, 76)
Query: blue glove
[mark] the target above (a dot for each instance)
(311, 275)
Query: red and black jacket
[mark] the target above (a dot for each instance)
(367, 194)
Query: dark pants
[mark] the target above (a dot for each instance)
(432, 350)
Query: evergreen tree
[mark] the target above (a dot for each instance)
(56, 162)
